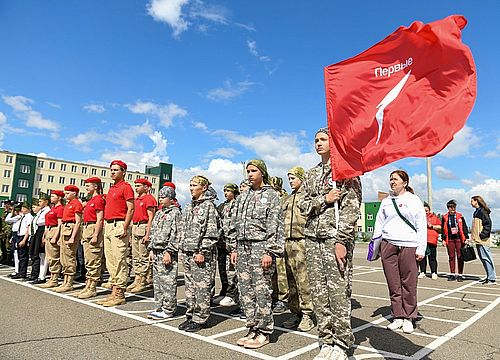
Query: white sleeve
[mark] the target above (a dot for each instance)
(421, 226)
(379, 221)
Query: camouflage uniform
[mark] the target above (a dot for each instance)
(5, 236)
(331, 288)
(227, 271)
(256, 229)
(165, 234)
(200, 236)
(300, 301)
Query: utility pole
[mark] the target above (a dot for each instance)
(429, 183)
(244, 170)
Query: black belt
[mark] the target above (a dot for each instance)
(111, 221)
(140, 223)
(68, 222)
(88, 223)
(51, 226)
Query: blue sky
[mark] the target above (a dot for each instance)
(206, 85)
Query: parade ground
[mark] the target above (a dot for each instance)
(457, 320)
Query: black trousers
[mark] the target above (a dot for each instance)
(432, 259)
(35, 249)
(23, 254)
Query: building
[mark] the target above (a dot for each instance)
(25, 176)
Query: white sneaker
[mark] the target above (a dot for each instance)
(338, 353)
(396, 324)
(227, 302)
(434, 276)
(421, 275)
(325, 352)
(408, 326)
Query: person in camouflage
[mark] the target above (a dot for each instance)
(200, 236)
(5, 233)
(299, 300)
(256, 239)
(331, 209)
(227, 272)
(163, 248)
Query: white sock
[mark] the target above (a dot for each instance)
(16, 262)
(44, 265)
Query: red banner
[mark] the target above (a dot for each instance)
(406, 96)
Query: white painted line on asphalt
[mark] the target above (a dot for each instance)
(467, 299)
(370, 297)
(438, 342)
(367, 272)
(375, 353)
(450, 308)
(226, 333)
(442, 320)
(478, 293)
(139, 311)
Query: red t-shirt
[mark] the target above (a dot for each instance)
(95, 204)
(142, 203)
(116, 201)
(55, 213)
(432, 235)
(72, 208)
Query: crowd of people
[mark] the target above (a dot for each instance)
(273, 251)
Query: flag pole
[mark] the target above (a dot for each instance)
(429, 183)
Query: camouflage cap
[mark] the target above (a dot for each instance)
(298, 172)
(261, 165)
(167, 192)
(26, 205)
(200, 179)
(232, 187)
(276, 182)
(35, 202)
(43, 196)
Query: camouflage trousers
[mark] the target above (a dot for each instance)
(331, 292)
(299, 298)
(280, 282)
(198, 286)
(165, 283)
(255, 285)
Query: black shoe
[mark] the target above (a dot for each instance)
(12, 275)
(451, 278)
(19, 276)
(193, 327)
(28, 278)
(483, 281)
(37, 281)
(236, 312)
(279, 308)
(184, 324)
(460, 278)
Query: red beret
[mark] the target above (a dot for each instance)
(119, 163)
(57, 192)
(143, 182)
(169, 184)
(71, 188)
(93, 180)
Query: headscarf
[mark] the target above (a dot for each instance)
(233, 188)
(298, 172)
(201, 180)
(167, 192)
(261, 165)
(276, 182)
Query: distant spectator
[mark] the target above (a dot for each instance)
(455, 233)
(433, 229)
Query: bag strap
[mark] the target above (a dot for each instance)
(401, 216)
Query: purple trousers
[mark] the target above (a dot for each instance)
(400, 269)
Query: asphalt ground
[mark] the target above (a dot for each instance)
(457, 321)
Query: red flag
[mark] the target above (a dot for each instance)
(405, 96)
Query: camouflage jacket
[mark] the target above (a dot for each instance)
(321, 218)
(201, 226)
(257, 216)
(225, 211)
(166, 230)
(294, 219)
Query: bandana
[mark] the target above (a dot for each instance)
(298, 172)
(167, 192)
(261, 165)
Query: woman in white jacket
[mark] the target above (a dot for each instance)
(402, 224)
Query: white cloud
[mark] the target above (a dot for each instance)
(228, 90)
(165, 113)
(3, 121)
(252, 47)
(224, 152)
(444, 173)
(23, 110)
(170, 12)
(213, 13)
(54, 105)
(461, 145)
(200, 125)
(245, 26)
(94, 108)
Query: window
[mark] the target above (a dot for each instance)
(39, 177)
(61, 179)
(370, 229)
(359, 216)
(6, 173)
(22, 183)
(137, 177)
(50, 179)
(5, 188)
(40, 163)
(21, 197)
(145, 177)
(153, 180)
(25, 169)
(9, 159)
(74, 168)
(37, 191)
(369, 217)
(152, 191)
(52, 165)
(94, 171)
(103, 185)
(103, 173)
(82, 182)
(130, 176)
(84, 170)
(63, 167)
(72, 181)
(360, 228)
